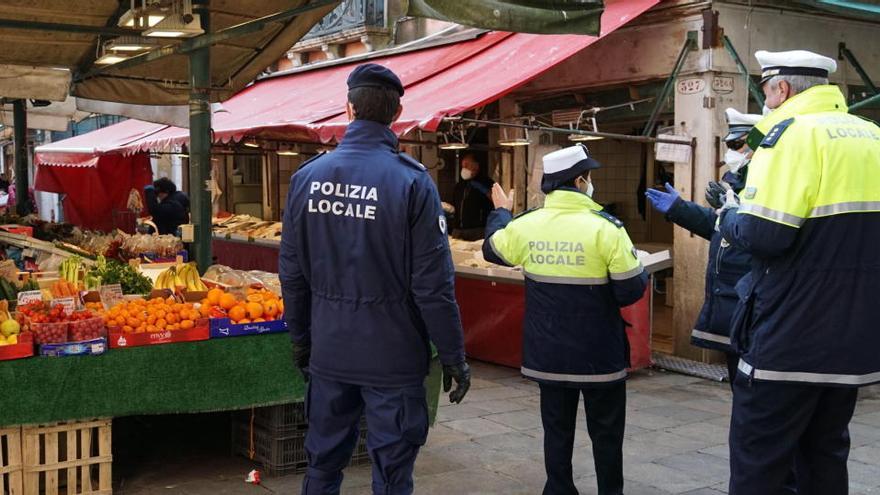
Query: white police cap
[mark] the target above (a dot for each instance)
(794, 63)
(563, 165)
(739, 124)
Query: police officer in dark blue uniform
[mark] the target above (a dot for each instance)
(368, 284)
(727, 264)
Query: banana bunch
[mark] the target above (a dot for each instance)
(69, 269)
(184, 276)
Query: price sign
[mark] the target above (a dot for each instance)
(111, 295)
(29, 296)
(68, 303)
(667, 152)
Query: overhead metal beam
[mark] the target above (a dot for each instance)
(754, 90)
(19, 117)
(562, 130)
(844, 52)
(67, 28)
(205, 40)
(874, 100)
(690, 43)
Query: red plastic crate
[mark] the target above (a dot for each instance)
(24, 348)
(118, 338)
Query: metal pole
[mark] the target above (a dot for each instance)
(689, 44)
(19, 117)
(864, 103)
(561, 130)
(754, 90)
(851, 58)
(200, 145)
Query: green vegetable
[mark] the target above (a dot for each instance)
(110, 272)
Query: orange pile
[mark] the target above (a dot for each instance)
(155, 315)
(260, 305)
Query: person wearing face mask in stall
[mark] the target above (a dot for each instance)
(472, 200)
(727, 264)
(580, 267)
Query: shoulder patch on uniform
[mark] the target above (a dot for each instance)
(412, 162)
(775, 133)
(608, 216)
(524, 213)
(750, 193)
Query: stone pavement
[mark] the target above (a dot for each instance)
(676, 443)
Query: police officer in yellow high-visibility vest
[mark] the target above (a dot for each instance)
(580, 267)
(807, 323)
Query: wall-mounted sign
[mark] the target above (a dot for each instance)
(723, 85)
(668, 152)
(690, 86)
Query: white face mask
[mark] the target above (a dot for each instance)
(589, 189)
(735, 160)
(466, 174)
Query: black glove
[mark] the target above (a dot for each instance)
(461, 373)
(301, 355)
(715, 192)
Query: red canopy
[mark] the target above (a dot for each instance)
(310, 105)
(93, 193)
(440, 81)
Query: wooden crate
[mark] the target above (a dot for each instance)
(10, 461)
(67, 458)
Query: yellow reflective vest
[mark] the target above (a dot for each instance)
(580, 268)
(810, 216)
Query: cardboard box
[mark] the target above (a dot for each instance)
(24, 348)
(92, 347)
(223, 327)
(120, 339)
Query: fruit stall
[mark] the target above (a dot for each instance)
(100, 329)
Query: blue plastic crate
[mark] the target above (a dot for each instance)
(223, 327)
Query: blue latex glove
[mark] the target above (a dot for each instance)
(662, 201)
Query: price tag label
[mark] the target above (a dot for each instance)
(111, 295)
(68, 303)
(29, 296)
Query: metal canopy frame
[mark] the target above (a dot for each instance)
(690, 43)
(198, 51)
(205, 40)
(754, 90)
(562, 130)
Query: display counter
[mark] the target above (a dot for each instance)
(213, 375)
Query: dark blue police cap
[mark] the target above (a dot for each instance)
(376, 76)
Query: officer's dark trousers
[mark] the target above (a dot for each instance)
(606, 419)
(397, 425)
(774, 423)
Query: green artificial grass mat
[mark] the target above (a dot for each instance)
(193, 377)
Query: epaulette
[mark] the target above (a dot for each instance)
(310, 160)
(775, 133)
(608, 216)
(412, 162)
(524, 213)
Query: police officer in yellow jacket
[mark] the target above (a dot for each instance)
(806, 325)
(580, 267)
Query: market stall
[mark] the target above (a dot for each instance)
(491, 297)
(99, 337)
(492, 302)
